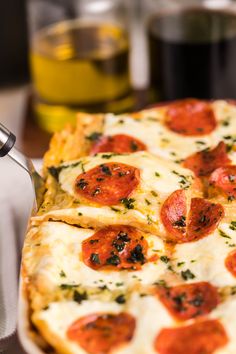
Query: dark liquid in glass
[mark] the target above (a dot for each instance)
(193, 54)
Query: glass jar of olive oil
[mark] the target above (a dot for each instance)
(79, 59)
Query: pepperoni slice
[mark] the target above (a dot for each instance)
(117, 247)
(190, 117)
(108, 183)
(189, 300)
(203, 337)
(204, 162)
(202, 219)
(224, 180)
(230, 263)
(102, 333)
(173, 215)
(119, 143)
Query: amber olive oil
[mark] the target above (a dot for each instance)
(79, 66)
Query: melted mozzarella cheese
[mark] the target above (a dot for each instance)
(225, 312)
(62, 263)
(150, 129)
(158, 179)
(148, 312)
(205, 258)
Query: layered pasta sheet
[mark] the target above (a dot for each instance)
(133, 249)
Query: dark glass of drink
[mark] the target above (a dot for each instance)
(193, 54)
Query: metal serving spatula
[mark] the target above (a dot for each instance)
(7, 142)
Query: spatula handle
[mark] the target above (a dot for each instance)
(7, 140)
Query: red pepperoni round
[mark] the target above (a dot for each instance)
(230, 263)
(102, 333)
(204, 162)
(116, 247)
(173, 215)
(108, 183)
(119, 143)
(189, 300)
(203, 337)
(223, 179)
(203, 218)
(190, 117)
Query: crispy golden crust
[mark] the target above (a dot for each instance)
(71, 143)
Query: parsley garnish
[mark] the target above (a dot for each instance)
(223, 234)
(120, 299)
(94, 258)
(233, 225)
(68, 286)
(187, 274)
(128, 202)
(113, 260)
(81, 184)
(79, 297)
(105, 169)
(164, 259)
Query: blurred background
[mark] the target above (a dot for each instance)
(61, 56)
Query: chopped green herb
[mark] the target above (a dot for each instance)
(81, 184)
(79, 297)
(136, 255)
(120, 299)
(165, 259)
(94, 258)
(68, 286)
(80, 214)
(231, 198)
(128, 202)
(106, 170)
(225, 122)
(223, 234)
(62, 274)
(179, 264)
(233, 225)
(93, 241)
(187, 274)
(115, 209)
(147, 202)
(119, 284)
(149, 219)
(200, 142)
(157, 174)
(154, 194)
(113, 260)
(161, 282)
